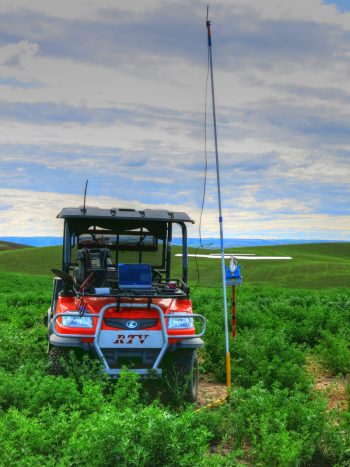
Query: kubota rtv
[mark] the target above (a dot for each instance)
(116, 297)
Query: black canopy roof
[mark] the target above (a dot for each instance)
(157, 215)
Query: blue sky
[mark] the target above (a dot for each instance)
(342, 5)
(114, 92)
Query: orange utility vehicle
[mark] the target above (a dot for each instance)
(115, 296)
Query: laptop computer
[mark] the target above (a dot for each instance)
(135, 276)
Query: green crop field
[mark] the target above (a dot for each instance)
(313, 265)
(289, 403)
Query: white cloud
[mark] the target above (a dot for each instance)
(86, 9)
(32, 213)
(17, 52)
(17, 58)
(132, 92)
(298, 10)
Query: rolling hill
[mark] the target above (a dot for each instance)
(313, 266)
(5, 246)
(193, 242)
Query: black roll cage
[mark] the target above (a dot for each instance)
(162, 230)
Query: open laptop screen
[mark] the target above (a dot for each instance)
(135, 276)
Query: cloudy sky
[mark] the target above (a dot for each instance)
(113, 91)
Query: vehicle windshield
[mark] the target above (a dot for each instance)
(132, 246)
(130, 241)
(95, 251)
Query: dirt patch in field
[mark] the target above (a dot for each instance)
(209, 391)
(334, 388)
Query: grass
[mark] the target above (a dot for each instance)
(31, 260)
(314, 266)
(273, 418)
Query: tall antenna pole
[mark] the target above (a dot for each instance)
(228, 357)
(86, 185)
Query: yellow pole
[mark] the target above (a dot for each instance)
(228, 371)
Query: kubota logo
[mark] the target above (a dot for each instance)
(131, 338)
(131, 324)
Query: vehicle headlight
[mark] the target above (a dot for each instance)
(77, 321)
(180, 323)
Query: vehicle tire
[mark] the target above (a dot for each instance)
(182, 375)
(56, 358)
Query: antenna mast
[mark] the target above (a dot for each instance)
(228, 357)
(86, 185)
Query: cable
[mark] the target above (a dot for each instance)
(205, 153)
(205, 176)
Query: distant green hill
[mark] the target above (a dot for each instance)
(31, 260)
(313, 265)
(4, 246)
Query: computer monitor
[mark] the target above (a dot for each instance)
(135, 276)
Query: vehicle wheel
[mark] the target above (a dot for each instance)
(182, 375)
(56, 358)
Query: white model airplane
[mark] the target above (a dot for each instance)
(243, 256)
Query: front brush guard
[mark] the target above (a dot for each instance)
(114, 372)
